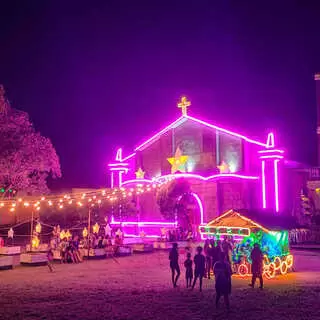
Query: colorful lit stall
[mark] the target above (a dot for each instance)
(244, 233)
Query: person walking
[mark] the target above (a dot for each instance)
(257, 265)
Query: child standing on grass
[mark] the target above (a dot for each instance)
(189, 272)
(222, 272)
(200, 267)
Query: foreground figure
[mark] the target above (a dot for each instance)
(222, 272)
(199, 267)
(257, 265)
(174, 264)
(189, 271)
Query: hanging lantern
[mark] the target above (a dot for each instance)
(96, 228)
(85, 232)
(62, 234)
(68, 234)
(38, 227)
(10, 233)
(35, 242)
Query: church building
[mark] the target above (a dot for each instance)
(223, 169)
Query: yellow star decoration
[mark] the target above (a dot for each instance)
(178, 162)
(140, 174)
(223, 168)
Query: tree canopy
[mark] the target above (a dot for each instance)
(27, 159)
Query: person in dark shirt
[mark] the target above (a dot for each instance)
(222, 272)
(174, 264)
(189, 272)
(257, 265)
(200, 267)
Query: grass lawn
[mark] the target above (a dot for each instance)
(139, 288)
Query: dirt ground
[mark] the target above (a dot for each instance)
(138, 287)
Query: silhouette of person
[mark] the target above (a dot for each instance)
(189, 271)
(222, 272)
(200, 267)
(257, 265)
(174, 264)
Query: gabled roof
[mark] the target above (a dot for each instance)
(183, 119)
(232, 218)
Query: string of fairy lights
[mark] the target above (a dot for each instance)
(90, 198)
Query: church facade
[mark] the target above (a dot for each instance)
(224, 169)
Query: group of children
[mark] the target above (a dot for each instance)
(221, 269)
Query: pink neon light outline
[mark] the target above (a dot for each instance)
(270, 140)
(129, 156)
(226, 131)
(204, 123)
(276, 184)
(271, 151)
(122, 169)
(164, 130)
(137, 236)
(119, 155)
(200, 204)
(263, 178)
(272, 157)
(119, 164)
(143, 223)
(192, 175)
(138, 181)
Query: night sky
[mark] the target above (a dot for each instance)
(95, 75)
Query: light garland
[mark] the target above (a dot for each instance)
(92, 198)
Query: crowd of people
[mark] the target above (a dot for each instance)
(69, 246)
(216, 259)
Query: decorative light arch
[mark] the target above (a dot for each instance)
(198, 201)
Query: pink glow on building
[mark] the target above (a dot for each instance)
(143, 223)
(272, 157)
(191, 175)
(271, 151)
(145, 236)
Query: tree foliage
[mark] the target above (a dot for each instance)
(168, 195)
(27, 159)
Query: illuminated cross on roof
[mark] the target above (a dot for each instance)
(184, 104)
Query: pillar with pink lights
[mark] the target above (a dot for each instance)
(117, 169)
(271, 161)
